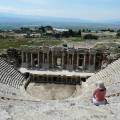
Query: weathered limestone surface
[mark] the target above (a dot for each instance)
(10, 76)
(77, 108)
(46, 57)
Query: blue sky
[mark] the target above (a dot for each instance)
(83, 9)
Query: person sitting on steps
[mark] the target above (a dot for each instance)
(99, 94)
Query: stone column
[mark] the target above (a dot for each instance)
(84, 62)
(38, 59)
(77, 60)
(31, 60)
(73, 59)
(43, 56)
(89, 60)
(67, 59)
(48, 59)
(63, 60)
(52, 58)
(94, 61)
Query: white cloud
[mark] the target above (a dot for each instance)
(6, 9)
(21, 11)
(35, 12)
(38, 2)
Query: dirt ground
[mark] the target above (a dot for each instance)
(50, 91)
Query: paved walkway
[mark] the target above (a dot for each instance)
(62, 73)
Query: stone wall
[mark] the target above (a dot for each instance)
(45, 57)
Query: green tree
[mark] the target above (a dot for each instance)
(118, 34)
(79, 33)
(90, 36)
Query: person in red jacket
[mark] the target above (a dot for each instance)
(99, 94)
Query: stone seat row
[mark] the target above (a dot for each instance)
(11, 70)
(7, 79)
(110, 76)
(10, 76)
(110, 70)
(9, 91)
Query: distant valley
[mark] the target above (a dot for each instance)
(15, 21)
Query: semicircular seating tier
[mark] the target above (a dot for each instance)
(111, 78)
(9, 75)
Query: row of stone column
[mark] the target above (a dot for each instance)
(72, 80)
(69, 62)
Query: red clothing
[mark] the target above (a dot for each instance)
(99, 94)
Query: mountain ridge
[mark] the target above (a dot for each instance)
(16, 21)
